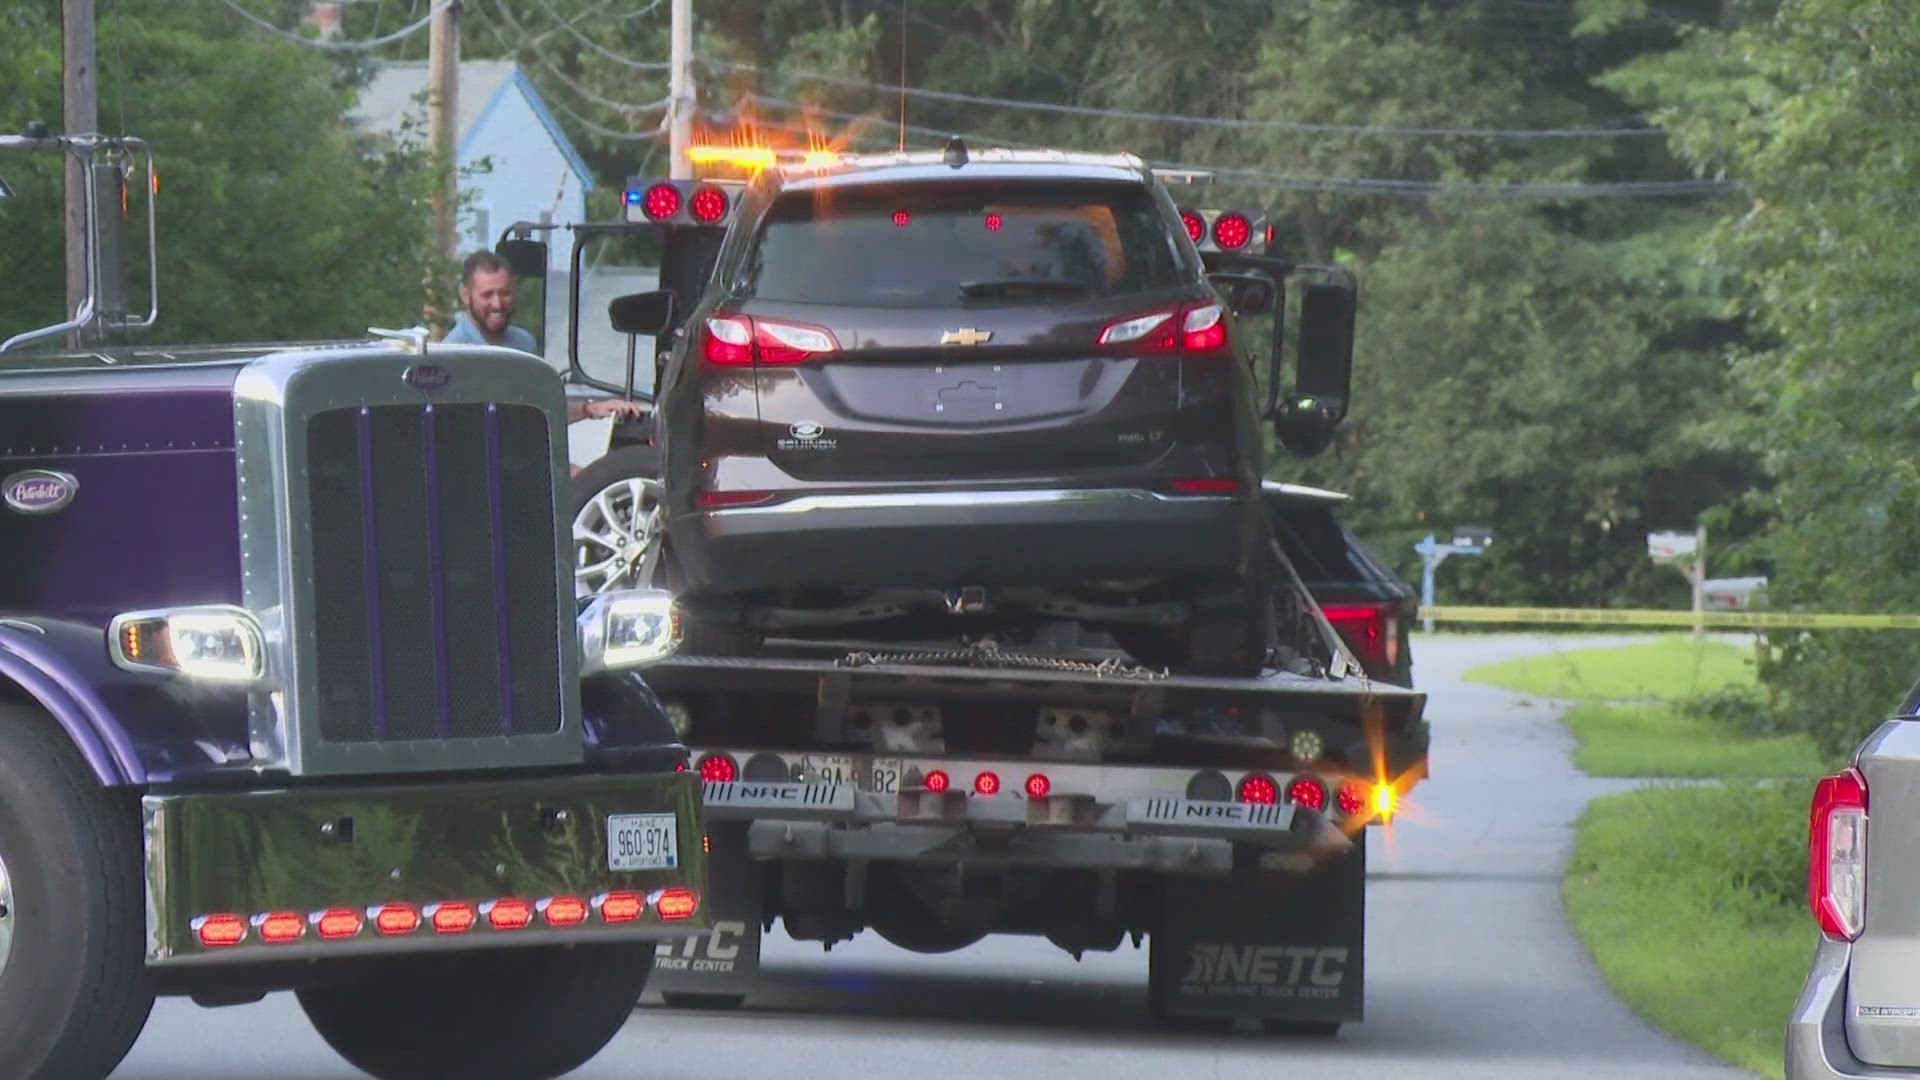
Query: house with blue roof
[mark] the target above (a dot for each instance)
(536, 174)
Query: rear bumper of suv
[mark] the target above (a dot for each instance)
(1817, 1047)
(1017, 538)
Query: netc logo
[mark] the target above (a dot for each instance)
(1267, 965)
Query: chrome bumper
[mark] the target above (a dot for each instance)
(303, 874)
(1064, 828)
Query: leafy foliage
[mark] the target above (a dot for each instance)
(276, 219)
(1805, 100)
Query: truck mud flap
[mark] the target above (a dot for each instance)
(723, 962)
(1264, 946)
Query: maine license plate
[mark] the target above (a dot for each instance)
(643, 842)
(879, 775)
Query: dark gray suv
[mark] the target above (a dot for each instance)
(928, 394)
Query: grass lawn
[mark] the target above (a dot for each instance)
(1625, 718)
(1691, 901)
(1656, 741)
(1663, 668)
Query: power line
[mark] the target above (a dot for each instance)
(339, 46)
(574, 33)
(599, 99)
(600, 129)
(1300, 127)
(1532, 191)
(1207, 121)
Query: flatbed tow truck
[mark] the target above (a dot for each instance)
(939, 792)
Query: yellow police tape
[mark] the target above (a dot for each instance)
(1632, 617)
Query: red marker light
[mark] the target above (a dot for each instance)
(452, 917)
(395, 919)
(339, 924)
(1354, 797)
(1307, 792)
(994, 222)
(1232, 230)
(1259, 789)
(900, 218)
(937, 781)
(220, 931)
(1196, 225)
(709, 204)
(986, 783)
(563, 911)
(1038, 785)
(282, 927)
(620, 907)
(676, 904)
(510, 914)
(718, 768)
(661, 202)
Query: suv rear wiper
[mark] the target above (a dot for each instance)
(973, 290)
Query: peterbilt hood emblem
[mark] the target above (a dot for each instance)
(39, 491)
(427, 377)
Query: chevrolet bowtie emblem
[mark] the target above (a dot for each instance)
(966, 336)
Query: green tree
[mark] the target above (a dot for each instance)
(277, 220)
(1808, 102)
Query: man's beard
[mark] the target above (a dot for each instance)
(485, 322)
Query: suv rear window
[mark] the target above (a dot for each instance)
(943, 244)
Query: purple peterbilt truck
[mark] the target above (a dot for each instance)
(296, 694)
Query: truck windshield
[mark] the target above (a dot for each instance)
(938, 244)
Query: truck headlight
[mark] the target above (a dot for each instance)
(214, 643)
(627, 628)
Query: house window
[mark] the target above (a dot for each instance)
(483, 226)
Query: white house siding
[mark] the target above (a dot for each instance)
(530, 175)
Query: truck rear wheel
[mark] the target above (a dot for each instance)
(512, 1014)
(74, 993)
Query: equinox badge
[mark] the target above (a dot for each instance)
(966, 336)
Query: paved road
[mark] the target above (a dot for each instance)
(1472, 972)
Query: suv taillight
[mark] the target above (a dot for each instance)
(1369, 631)
(1837, 855)
(1193, 328)
(737, 341)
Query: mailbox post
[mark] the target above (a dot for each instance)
(1688, 553)
(1467, 540)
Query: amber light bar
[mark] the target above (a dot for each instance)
(445, 918)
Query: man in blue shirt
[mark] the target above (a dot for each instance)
(486, 295)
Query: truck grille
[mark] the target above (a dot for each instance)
(434, 577)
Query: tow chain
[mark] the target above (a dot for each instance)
(987, 654)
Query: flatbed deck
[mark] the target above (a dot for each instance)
(1149, 707)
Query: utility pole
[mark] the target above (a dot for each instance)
(82, 118)
(680, 92)
(1697, 577)
(443, 121)
(443, 118)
